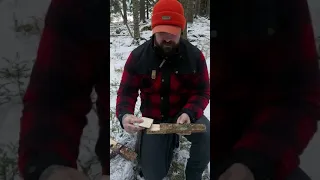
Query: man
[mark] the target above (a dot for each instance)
(71, 61)
(265, 92)
(173, 79)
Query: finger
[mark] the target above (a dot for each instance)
(130, 128)
(127, 129)
(182, 120)
(134, 128)
(136, 120)
(188, 121)
(179, 120)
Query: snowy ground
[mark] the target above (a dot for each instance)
(121, 46)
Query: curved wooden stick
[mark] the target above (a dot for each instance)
(169, 128)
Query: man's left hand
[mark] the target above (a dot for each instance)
(237, 171)
(183, 119)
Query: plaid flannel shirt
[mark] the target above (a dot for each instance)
(265, 99)
(180, 85)
(71, 52)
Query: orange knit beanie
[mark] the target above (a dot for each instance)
(168, 16)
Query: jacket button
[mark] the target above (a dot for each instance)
(162, 80)
(161, 98)
(176, 72)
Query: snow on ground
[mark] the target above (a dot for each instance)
(121, 46)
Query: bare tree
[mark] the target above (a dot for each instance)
(208, 9)
(190, 10)
(185, 6)
(124, 7)
(143, 10)
(147, 7)
(135, 9)
(117, 5)
(197, 8)
(8, 161)
(16, 73)
(203, 7)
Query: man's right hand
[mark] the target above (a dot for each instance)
(57, 172)
(129, 124)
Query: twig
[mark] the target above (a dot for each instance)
(118, 6)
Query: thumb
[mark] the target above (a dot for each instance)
(138, 120)
(180, 120)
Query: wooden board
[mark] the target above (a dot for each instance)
(117, 148)
(147, 122)
(169, 128)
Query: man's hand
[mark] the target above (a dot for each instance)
(183, 119)
(130, 124)
(237, 171)
(56, 172)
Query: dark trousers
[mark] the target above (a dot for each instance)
(156, 152)
(298, 174)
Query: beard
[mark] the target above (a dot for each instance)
(167, 48)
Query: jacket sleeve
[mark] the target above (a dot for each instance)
(200, 94)
(128, 90)
(57, 98)
(287, 117)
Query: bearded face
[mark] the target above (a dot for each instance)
(167, 42)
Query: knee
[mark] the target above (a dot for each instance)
(201, 140)
(205, 136)
(205, 139)
(204, 120)
(154, 175)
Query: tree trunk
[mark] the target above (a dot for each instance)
(203, 7)
(190, 11)
(147, 4)
(124, 6)
(197, 8)
(185, 31)
(117, 4)
(110, 19)
(135, 9)
(142, 11)
(208, 9)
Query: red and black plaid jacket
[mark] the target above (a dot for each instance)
(71, 52)
(180, 85)
(265, 93)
